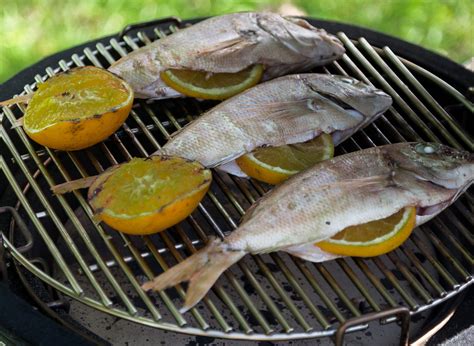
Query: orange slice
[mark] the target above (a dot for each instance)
(273, 165)
(78, 108)
(212, 86)
(145, 196)
(374, 238)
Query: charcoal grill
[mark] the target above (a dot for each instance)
(265, 297)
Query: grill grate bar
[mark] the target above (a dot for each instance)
(395, 283)
(291, 279)
(421, 107)
(277, 287)
(54, 250)
(235, 284)
(428, 98)
(387, 87)
(458, 225)
(160, 260)
(440, 268)
(420, 290)
(375, 281)
(355, 280)
(440, 290)
(266, 298)
(211, 306)
(217, 287)
(403, 124)
(88, 53)
(39, 226)
(311, 279)
(337, 288)
(459, 247)
(101, 264)
(445, 252)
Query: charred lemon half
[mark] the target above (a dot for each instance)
(78, 108)
(145, 196)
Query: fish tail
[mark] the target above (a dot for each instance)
(201, 270)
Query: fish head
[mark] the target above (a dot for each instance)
(350, 93)
(299, 36)
(442, 165)
(361, 101)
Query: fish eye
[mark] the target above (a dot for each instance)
(426, 148)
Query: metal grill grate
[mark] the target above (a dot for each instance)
(267, 297)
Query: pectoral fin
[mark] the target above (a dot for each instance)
(310, 252)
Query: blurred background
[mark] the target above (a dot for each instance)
(33, 29)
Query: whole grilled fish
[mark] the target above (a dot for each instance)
(317, 203)
(286, 110)
(229, 43)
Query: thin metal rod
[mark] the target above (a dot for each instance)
(44, 234)
(388, 88)
(411, 96)
(393, 280)
(356, 281)
(428, 98)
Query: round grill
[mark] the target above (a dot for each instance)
(264, 297)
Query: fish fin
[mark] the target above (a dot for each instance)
(227, 47)
(233, 168)
(283, 109)
(310, 252)
(202, 270)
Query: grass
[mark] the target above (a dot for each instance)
(33, 29)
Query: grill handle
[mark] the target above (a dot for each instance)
(168, 21)
(22, 227)
(402, 313)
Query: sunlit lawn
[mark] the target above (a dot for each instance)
(32, 29)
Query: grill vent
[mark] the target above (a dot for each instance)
(267, 297)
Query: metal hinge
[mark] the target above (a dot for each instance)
(402, 313)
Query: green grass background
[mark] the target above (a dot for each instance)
(33, 29)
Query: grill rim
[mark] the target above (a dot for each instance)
(305, 335)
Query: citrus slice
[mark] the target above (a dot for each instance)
(145, 196)
(273, 165)
(373, 238)
(212, 86)
(78, 108)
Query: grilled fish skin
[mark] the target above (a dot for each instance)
(286, 110)
(229, 43)
(317, 203)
